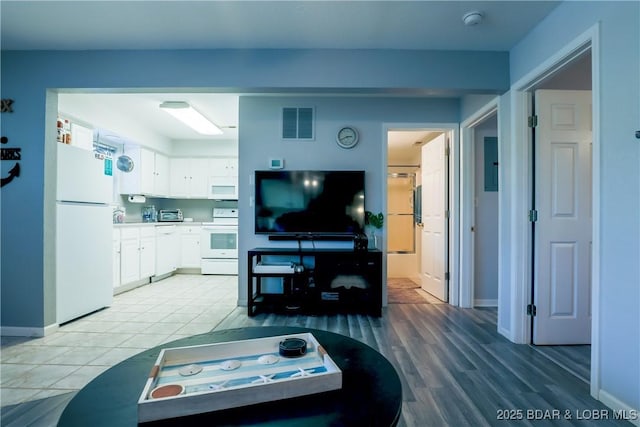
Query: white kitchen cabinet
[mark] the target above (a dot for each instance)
(189, 178)
(162, 175)
(190, 247)
(129, 260)
(222, 183)
(147, 171)
(150, 174)
(147, 253)
(223, 167)
(116, 257)
(167, 249)
(137, 254)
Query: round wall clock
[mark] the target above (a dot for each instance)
(347, 137)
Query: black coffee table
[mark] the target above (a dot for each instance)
(371, 393)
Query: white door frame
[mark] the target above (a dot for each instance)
(454, 197)
(467, 196)
(520, 231)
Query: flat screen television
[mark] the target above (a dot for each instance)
(309, 202)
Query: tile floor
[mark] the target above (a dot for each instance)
(68, 359)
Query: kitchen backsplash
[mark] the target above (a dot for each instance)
(199, 210)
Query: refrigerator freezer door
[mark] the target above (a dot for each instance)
(84, 268)
(82, 177)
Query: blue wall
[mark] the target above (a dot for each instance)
(619, 326)
(27, 75)
(261, 140)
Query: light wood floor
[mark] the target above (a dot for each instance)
(455, 369)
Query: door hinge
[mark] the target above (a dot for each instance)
(532, 121)
(447, 150)
(446, 276)
(447, 213)
(533, 215)
(531, 310)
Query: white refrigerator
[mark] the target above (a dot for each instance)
(84, 226)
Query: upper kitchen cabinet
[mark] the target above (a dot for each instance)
(149, 176)
(223, 167)
(189, 178)
(222, 182)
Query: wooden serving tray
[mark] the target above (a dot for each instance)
(211, 377)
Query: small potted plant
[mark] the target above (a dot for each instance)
(374, 222)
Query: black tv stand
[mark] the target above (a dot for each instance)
(310, 236)
(330, 280)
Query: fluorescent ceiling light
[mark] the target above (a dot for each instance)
(192, 118)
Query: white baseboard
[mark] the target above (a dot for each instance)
(485, 302)
(620, 409)
(19, 331)
(186, 270)
(129, 286)
(504, 332)
(162, 276)
(48, 330)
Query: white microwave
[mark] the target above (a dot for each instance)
(223, 188)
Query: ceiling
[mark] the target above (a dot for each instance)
(96, 25)
(83, 25)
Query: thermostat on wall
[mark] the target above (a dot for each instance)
(276, 163)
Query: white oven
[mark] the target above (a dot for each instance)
(219, 243)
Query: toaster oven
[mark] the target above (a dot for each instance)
(170, 215)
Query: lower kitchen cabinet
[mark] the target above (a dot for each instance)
(129, 260)
(137, 253)
(147, 254)
(190, 246)
(116, 257)
(140, 253)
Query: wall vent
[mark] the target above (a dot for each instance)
(297, 123)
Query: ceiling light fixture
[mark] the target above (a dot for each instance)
(472, 18)
(192, 118)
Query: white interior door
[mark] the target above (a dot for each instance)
(562, 262)
(434, 230)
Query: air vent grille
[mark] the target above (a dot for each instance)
(297, 123)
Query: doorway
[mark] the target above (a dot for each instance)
(485, 212)
(418, 256)
(561, 218)
(403, 244)
(582, 57)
